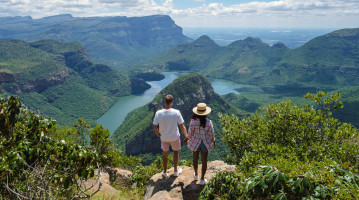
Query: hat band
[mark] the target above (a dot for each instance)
(201, 110)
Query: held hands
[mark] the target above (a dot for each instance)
(213, 144)
(185, 141)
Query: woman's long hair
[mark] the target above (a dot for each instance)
(202, 119)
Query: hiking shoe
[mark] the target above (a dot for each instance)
(203, 182)
(178, 172)
(195, 177)
(164, 174)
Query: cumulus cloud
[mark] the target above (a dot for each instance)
(212, 14)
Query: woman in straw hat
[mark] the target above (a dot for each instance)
(200, 138)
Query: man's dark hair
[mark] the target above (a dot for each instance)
(168, 99)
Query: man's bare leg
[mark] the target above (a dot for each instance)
(165, 161)
(175, 159)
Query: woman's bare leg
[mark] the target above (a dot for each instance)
(204, 156)
(195, 162)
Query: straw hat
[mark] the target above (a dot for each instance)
(202, 109)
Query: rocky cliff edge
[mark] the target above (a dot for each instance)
(183, 186)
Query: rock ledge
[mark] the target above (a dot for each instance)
(183, 186)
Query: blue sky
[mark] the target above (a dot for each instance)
(203, 13)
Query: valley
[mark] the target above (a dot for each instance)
(78, 94)
(273, 72)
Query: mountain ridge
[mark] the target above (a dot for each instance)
(117, 40)
(324, 61)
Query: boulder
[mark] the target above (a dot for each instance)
(108, 178)
(183, 186)
(105, 188)
(119, 177)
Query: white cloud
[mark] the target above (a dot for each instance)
(310, 13)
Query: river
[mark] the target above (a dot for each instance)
(114, 117)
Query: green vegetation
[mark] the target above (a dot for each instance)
(350, 97)
(59, 79)
(338, 48)
(194, 55)
(251, 101)
(32, 163)
(148, 75)
(290, 152)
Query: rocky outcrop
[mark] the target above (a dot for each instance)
(41, 84)
(183, 186)
(36, 85)
(104, 180)
(110, 179)
(6, 77)
(117, 176)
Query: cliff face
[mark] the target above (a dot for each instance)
(109, 40)
(6, 77)
(61, 80)
(40, 84)
(136, 135)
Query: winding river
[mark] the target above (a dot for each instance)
(114, 117)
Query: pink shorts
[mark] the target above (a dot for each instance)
(176, 145)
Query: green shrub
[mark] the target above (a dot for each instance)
(225, 185)
(286, 130)
(32, 164)
(268, 182)
(142, 174)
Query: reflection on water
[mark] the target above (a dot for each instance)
(114, 117)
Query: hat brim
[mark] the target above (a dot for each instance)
(205, 112)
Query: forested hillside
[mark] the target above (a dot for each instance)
(330, 61)
(60, 80)
(116, 41)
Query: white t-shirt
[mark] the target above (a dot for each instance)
(168, 120)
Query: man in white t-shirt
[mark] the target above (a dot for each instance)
(168, 120)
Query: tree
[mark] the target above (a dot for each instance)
(82, 131)
(99, 139)
(34, 165)
(291, 131)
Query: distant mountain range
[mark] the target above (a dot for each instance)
(115, 41)
(60, 80)
(330, 60)
(136, 136)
